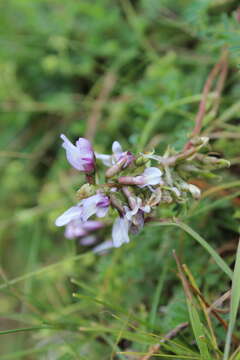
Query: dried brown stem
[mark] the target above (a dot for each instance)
(220, 83)
(95, 115)
(221, 67)
(170, 335)
(188, 287)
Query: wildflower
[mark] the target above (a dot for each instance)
(132, 220)
(124, 157)
(81, 156)
(120, 231)
(138, 206)
(76, 228)
(74, 213)
(150, 176)
(97, 204)
(128, 196)
(103, 247)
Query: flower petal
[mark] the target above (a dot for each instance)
(75, 212)
(120, 232)
(195, 191)
(74, 229)
(88, 240)
(106, 159)
(131, 213)
(85, 148)
(102, 211)
(117, 149)
(73, 154)
(89, 206)
(106, 245)
(81, 156)
(92, 225)
(153, 176)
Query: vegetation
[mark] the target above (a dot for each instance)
(135, 72)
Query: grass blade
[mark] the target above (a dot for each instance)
(219, 261)
(197, 327)
(235, 299)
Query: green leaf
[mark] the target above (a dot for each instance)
(235, 299)
(198, 331)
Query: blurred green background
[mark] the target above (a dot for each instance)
(131, 71)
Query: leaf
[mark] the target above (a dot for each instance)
(235, 299)
(198, 331)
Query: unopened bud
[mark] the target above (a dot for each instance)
(85, 191)
(200, 141)
(121, 164)
(155, 198)
(193, 189)
(141, 160)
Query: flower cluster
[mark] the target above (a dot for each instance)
(133, 187)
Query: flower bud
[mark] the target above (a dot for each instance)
(150, 176)
(193, 189)
(141, 160)
(85, 191)
(199, 141)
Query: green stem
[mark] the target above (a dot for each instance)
(13, 331)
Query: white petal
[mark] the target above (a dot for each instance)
(131, 213)
(106, 159)
(195, 191)
(153, 176)
(117, 148)
(146, 208)
(103, 247)
(153, 157)
(89, 206)
(73, 213)
(120, 232)
(102, 211)
(176, 191)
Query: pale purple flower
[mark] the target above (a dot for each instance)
(120, 231)
(97, 204)
(138, 206)
(81, 156)
(74, 213)
(103, 247)
(150, 176)
(76, 228)
(88, 240)
(133, 220)
(125, 157)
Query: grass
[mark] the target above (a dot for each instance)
(131, 71)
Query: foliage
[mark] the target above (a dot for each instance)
(131, 71)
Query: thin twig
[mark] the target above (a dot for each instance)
(170, 335)
(220, 83)
(188, 287)
(219, 302)
(221, 65)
